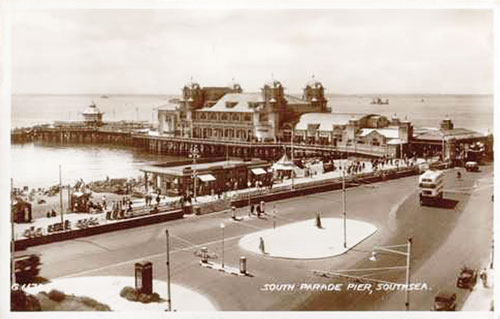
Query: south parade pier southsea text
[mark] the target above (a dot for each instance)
(338, 287)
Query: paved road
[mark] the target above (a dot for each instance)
(392, 206)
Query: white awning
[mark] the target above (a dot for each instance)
(206, 177)
(258, 171)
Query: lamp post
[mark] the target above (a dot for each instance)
(344, 207)
(60, 195)
(222, 230)
(291, 153)
(169, 299)
(194, 154)
(407, 267)
(249, 184)
(395, 249)
(12, 239)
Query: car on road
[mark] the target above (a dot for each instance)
(467, 278)
(445, 301)
(471, 167)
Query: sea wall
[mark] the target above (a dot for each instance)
(94, 230)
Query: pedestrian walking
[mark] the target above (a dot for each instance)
(484, 277)
(261, 245)
(252, 209)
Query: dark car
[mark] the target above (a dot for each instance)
(471, 167)
(467, 278)
(445, 301)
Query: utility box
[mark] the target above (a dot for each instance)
(144, 277)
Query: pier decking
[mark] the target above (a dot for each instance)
(139, 137)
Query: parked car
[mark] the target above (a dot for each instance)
(445, 301)
(471, 167)
(467, 278)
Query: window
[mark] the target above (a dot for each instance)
(224, 117)
(235, 117)
(213, 116)
(203, 116)
(247, 118)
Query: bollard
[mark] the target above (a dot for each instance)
(204, 255)
(243, 265)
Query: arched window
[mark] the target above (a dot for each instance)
(203, 116)
(213, 116)
(236, 117)
(248, 118)
(224, 117)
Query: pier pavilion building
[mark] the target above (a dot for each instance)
(355, 130)
(227, 113)
(453, 143)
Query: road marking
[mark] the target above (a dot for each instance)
(132, 261)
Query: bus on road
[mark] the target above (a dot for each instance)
(430, 185)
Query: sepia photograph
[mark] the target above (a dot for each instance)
(213, 159)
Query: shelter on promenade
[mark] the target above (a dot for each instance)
(211, 177)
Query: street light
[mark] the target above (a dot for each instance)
(344, 208)
(274, 216)
(222, 229)
(407, 254)
(169, 299)
(13, 238)
(249, 185)
(291, 153)
(348, 273)
(194, 154)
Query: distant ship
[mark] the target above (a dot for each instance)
(379, 101)
(104, 97)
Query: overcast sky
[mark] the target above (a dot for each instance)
(156, 51)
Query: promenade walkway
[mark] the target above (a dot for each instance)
(166, 203)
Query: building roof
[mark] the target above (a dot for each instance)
(326, 121)
(92, 110)
(295, 100)
(169, 106)
(202, 167)
(235, 102)
(438, 134)
(386, 132)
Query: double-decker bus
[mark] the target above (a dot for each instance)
(430, 185)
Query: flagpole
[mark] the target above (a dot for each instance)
(60, 195)
(13, 238)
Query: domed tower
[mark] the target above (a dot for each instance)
(237, 88)
(192, 96)
(314, 93)
(447, 124)
(273, 95)
(92, 115)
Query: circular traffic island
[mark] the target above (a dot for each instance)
(310, 239)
